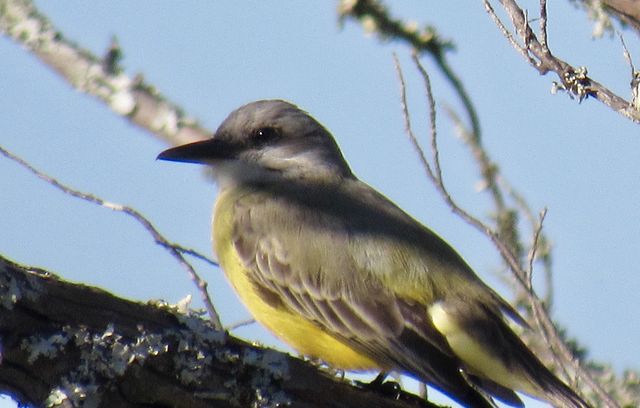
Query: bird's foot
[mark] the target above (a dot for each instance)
(387, 388)
(392, 389)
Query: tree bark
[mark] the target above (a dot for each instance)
(64, 344)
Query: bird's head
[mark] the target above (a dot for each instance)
(270, 138)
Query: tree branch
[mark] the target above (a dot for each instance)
(175, 250)
(64, 344)
(553, 339)
(574, 80)
(103, 78)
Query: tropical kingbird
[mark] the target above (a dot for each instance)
(339, 272)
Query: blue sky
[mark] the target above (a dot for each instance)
(578, 160)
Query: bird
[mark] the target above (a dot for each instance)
(342, 274)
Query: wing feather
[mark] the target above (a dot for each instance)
(311, 271)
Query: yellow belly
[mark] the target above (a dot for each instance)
(303, 335)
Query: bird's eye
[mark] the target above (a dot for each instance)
(265, 135)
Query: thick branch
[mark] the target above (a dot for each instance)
(62, 344)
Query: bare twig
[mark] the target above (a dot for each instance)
(546, 327)
(434, 172)
(542, 328)
(458, 86)
(537, 233)
(635, 76)
(505, 216)
(435, 151)
(534, 248)
(543, 320)
(193, 253)
(511, 258)
(543, 251)
(407, 124)
(375, 17)
(239, 324)
(174, 250)
(627, 55)
(507, 34)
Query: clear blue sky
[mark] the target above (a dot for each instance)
(578, 160)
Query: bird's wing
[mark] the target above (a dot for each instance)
(310, 262)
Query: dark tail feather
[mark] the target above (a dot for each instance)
(441, 371)
(554, 390)
(506, 395)
(517, 356)
(559, 394)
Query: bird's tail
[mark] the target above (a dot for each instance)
(543, 384)
(552, 389)
(496, 359)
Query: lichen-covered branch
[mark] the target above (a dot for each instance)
(102, 77)
(534, 47)
(377, 19)
(63, 345)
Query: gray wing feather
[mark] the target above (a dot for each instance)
(363, 314)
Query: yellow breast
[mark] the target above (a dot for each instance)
(303, 335)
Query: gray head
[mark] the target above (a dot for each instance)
(267, 137)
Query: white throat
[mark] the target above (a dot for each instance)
(232, 173)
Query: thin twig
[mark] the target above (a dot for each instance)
(635, 77)
(504, 250)
(627, 55)
(534, 248)
(524, 208)
(529, 278)
(489, 170)
(435, 175)
(193, 253)
(435, 151)
(537, 312)
(175, 251)
(407, 123)
(239, 324)
(543, 320)
(507, 34)
(425, 41)
(458, 86)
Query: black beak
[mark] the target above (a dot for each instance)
(203, 152)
